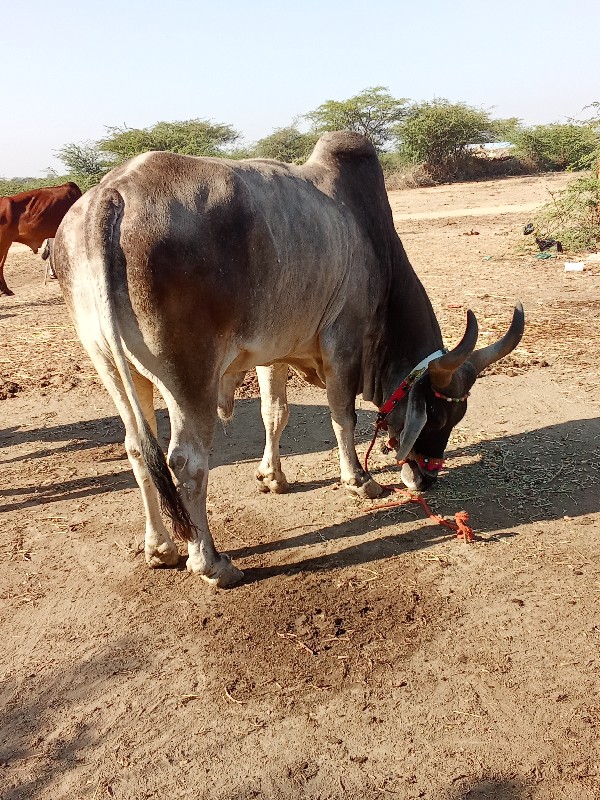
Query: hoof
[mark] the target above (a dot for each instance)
(223, 574)
(367, 491)
(271, 482)
(164, 555)
(6, 291)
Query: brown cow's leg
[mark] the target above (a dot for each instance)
(3, 287)
(275, 414)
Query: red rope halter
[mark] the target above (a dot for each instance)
(463, 531)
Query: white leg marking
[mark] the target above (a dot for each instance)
(274, 409)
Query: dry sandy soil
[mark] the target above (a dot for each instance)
(367, 653)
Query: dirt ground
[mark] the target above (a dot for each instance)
(367, 653)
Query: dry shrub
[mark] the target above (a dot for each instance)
(478, 165)
(482, 163)
(410, 177)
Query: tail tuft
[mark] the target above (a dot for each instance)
(170, 501)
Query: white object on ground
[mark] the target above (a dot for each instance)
(573, 266)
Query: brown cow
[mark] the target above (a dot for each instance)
(30, 217)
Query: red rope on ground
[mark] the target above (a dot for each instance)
(463, 531)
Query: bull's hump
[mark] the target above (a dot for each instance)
(346, 145)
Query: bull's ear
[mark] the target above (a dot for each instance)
(416, 417)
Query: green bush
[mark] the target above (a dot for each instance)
(286, 144)
(393, 162)
(16, 185)
(194, 137)
(573, 216)
(556, 146)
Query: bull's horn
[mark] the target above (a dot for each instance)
(481, 359)
(443, 368)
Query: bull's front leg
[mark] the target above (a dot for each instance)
(3, 287)
(274, 410)
(354, 478)
(341, 397)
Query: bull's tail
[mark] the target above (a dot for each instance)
(102, 243)
(170, 499)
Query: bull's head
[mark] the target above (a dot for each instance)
(438, 401)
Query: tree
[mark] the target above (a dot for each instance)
(287, 144)
(505, 128)
(84, 162)
(194, 137)
(438, 132)
(373, 112)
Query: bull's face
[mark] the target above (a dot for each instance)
(423, 462)
(438, 401)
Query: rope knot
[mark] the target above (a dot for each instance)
(463, 531)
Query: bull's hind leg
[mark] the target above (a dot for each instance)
(158, 546)
(275, 414)
(192, 430)
(145, 393)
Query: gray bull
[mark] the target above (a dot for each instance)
(185, 272)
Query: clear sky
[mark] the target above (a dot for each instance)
(70, 69)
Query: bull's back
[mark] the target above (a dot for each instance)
(206, 250)
(241, 240)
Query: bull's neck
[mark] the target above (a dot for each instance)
(412, 329)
